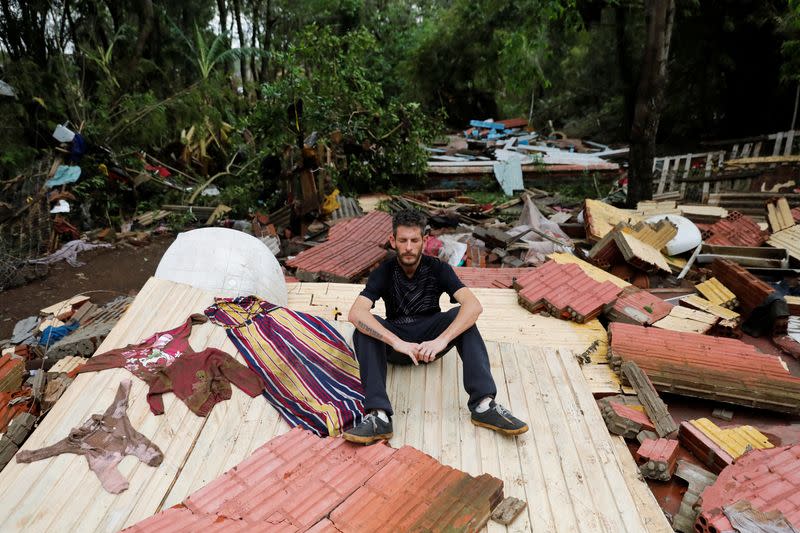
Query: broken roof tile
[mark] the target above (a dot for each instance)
(716, 368)
(636, 306)
(618, 245)
(657, 458)
(490, 278)
(338, 260)
(300, 482)
(375, 227)
(597, 274)
(685, 319)
(601, 218)
(735, 230)
(565, 291)
(727, 317)
(768, 479)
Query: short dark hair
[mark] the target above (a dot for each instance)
(409, 218)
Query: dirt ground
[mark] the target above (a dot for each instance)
(111, 271)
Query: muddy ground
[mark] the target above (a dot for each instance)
(109, 271)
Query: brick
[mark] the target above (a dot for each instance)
(734, 440)
(508, 510)
(11, 372)
(7, 451)
(717, 293)
(735, 230)
(749, 290)
(704, 448)
(490, 278)
(657, 458)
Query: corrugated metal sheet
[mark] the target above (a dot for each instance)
(348, 208)
(565, 291)
(768, 479)
(788, 239)
(735, 230)
(708, 367)
(298, 480)
(490, 278)
(375, 227)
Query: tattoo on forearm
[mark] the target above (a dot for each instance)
(368, 330)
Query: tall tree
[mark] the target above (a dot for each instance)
(660, 15)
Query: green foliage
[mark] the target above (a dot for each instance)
(332, 75)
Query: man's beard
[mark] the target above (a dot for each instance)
(409, 259)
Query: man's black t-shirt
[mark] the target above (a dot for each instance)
(406, 298)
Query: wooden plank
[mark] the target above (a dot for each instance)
(604, 449)
(778, 142)
(536, 450)
(588, 473)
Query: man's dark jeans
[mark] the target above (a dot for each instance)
(373, 355)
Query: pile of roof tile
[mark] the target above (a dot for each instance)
(735, 230)
(565, 291)
(353, 247)
(638, 245)
(637, 306)
(716, 368)
(299, 482)
(768, 483)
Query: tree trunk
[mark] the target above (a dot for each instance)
(222, 11)
(269, 24)
(237, 12)
(255, 11)
(146, 19)
(624, 64)
(649, 98)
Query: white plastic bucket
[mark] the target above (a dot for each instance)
(63, 134)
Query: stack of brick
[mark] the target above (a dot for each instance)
(657, 458)
(636, 306)
(685, 319)
(698, 479)
(95, 327)
(15, 403)
(565, 291)
(766, 479)
(715, 368)
(735, 230)
(717, 447)
(15, 435)
(749, 290)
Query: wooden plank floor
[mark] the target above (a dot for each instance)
(568, 469)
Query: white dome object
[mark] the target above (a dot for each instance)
(688, 236)
(226, 262)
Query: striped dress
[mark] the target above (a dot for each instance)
(310, 372)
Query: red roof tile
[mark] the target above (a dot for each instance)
(657, 458)
(566, 291)
(735, 230)
(632, 414)
(708, 367)
(490, 278)
(768, 479)
(300, 482)
(749, 290)
(376, 227)
(635, 306)
(339, 260)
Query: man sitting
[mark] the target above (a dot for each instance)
(417, 331)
